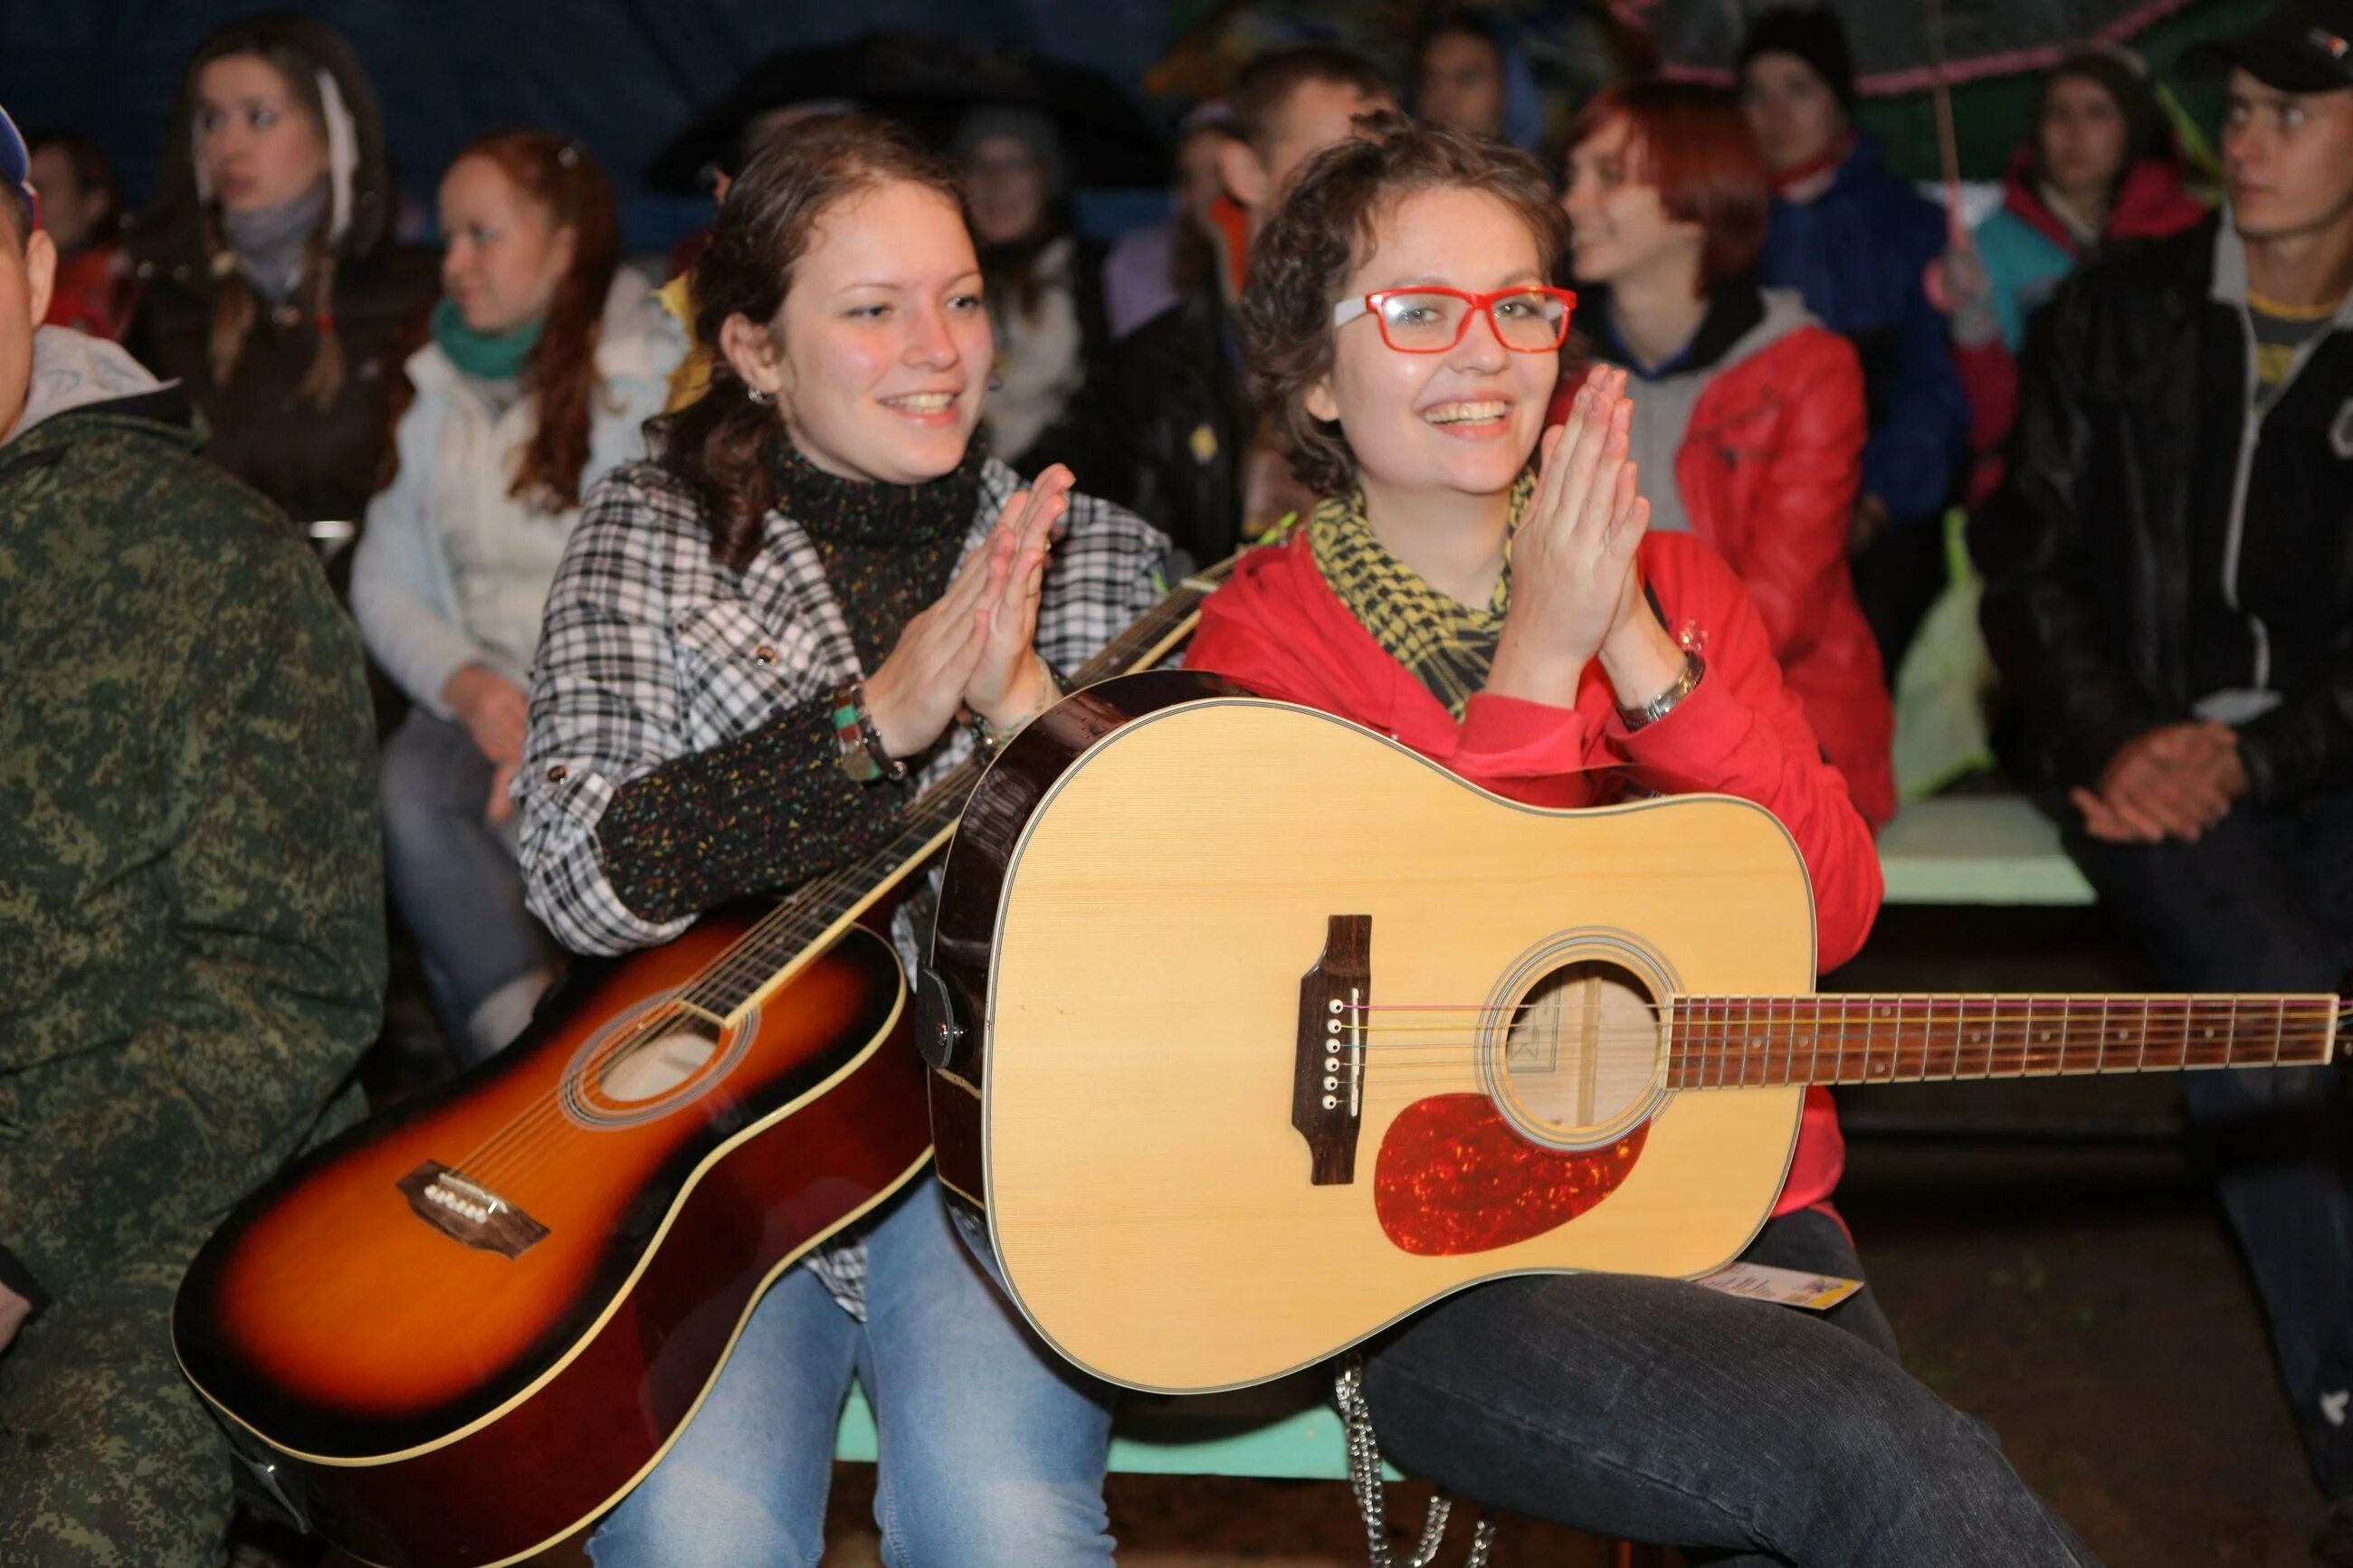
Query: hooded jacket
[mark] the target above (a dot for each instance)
(1761, 422)
(262, 427)
(2159, 551)
(1277, 627)
(1859, 253)
(192, 937)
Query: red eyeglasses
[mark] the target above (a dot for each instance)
(1429, 319)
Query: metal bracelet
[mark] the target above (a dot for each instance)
(1666, 701)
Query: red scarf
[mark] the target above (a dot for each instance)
(1796, 176)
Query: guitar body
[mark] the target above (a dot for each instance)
(1151, 909)
(442, 1382)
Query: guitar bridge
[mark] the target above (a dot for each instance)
(1328, 1084)
(467, 1212)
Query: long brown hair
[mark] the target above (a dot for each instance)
(561, 176)
(714, 445)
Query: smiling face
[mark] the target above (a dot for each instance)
(506, 256)
(880, 355)
(1463, 421)
(1794, 112)
(2082, 134)
(257, 141)
(1621, 226)
(2287, 159)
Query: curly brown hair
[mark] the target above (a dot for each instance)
(1327, 227)
(716, 445)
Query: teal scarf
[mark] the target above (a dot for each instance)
(479, 355)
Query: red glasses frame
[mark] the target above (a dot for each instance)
(1347, 311)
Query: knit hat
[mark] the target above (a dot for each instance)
(17, 166)
(2124, 78)
(1027, 126)
(1814, 35)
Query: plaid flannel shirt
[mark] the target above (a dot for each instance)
(650, 650)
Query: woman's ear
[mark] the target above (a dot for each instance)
(1319, 402)
(750, 350)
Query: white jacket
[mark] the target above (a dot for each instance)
(449, 512)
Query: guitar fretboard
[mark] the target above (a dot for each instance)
(1726, 1042)
(753, 960)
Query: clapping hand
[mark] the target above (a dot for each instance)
(970, 644)
(1574, 584)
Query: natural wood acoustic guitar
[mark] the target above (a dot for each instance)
(1255, 1031)
(458, 1331)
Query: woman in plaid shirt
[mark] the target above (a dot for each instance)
(821, 534)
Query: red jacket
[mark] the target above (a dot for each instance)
(1278, 628)
(1768, 470)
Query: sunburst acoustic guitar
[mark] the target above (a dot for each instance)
(1254, 1031)
(463, 1328)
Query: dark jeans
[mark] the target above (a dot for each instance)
(1896, 579)
(1663, 1412)
(454, 876)
(2264, 902)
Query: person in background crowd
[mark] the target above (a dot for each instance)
(1751, 413)
(2098, 165)
(1529, 632)
(1151, 268)
(269, 284)
(82, 210)
(1199, 467)
(1458, 75)
(546, 358)
(1044, 286)
(192, 939)
(756, 650)
(2168, 595)
(1855, 241)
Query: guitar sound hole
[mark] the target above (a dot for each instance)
(668, 1052)
(1582, 1051)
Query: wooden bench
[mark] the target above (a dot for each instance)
(1977, 849)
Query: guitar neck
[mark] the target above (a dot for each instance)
(769, 951)
(1730, 1042)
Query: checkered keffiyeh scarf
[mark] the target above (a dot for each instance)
(1449, 646)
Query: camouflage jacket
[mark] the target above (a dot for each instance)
(191, 928)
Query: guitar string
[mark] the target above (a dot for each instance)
(495, 1158)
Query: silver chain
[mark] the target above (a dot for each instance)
(1365, 1475)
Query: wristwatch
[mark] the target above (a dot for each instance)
(1666, 701)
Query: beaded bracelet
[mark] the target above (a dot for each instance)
(992, 738)
(863, 757)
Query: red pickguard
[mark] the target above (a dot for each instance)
(1454, 1177)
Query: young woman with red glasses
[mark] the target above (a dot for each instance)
(1517, 621)
(1753, 412)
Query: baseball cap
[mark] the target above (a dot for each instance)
(2306, 46)
(16, 166)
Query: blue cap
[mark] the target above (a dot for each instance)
(17, 164)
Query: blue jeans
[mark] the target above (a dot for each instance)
(2264, 902)
(1663, 1412)
(454, 876)
(992, 1447)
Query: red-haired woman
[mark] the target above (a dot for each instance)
(1752, 422)
(1528, 631)
(545, 358)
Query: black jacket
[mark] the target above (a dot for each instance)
(2154, 542)
(315, 463)
(1184, 425)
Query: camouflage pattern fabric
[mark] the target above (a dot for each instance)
(191, 943)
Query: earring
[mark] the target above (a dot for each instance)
(759, 396)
